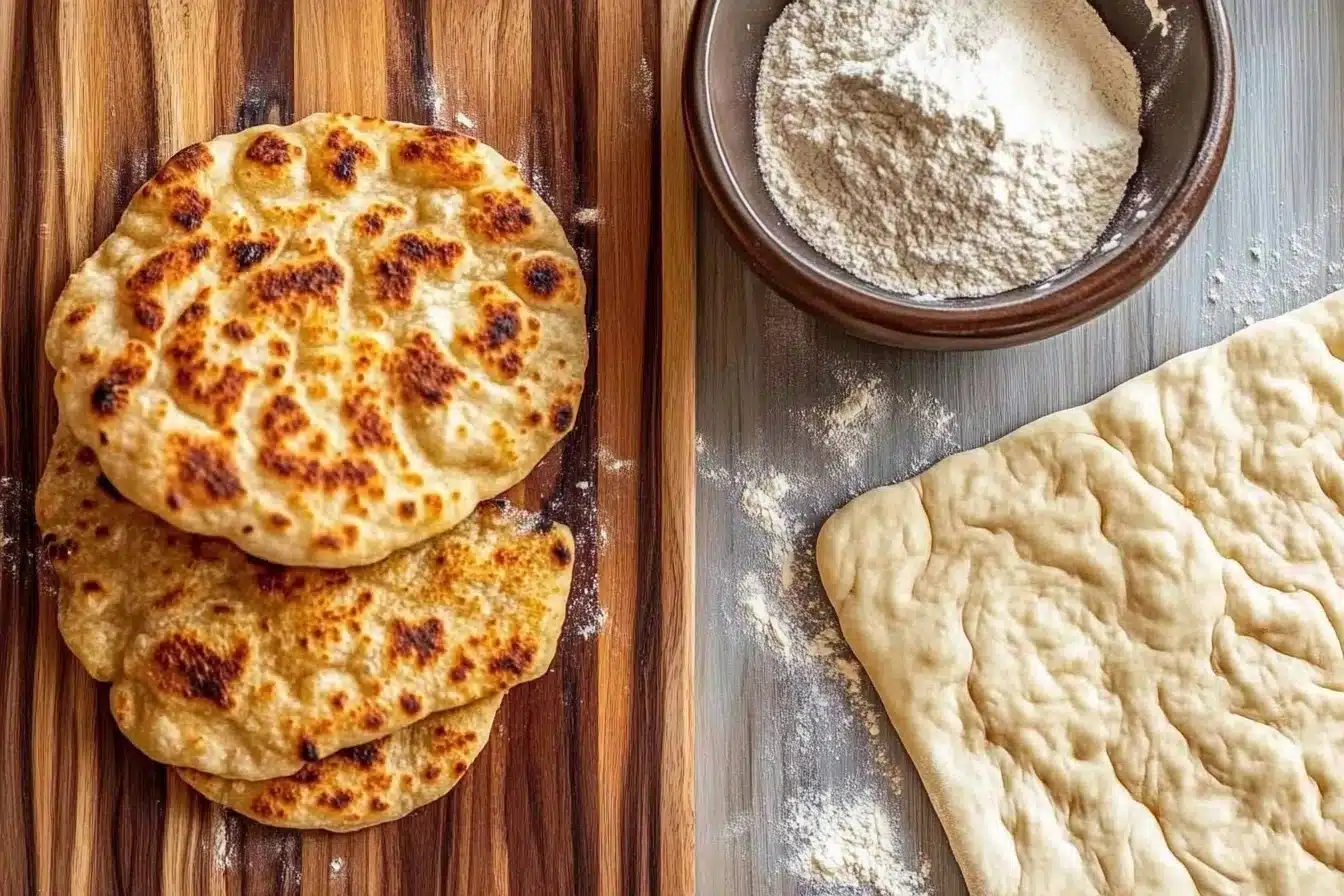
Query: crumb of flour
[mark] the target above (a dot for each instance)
(769, 625)
(587, 217)
(1274, 274)
(611, 463)
(463, 120)
(223, 842)
(337, 867)
(846, 429)
(846, 844)
(1160, 16)
(763, 503)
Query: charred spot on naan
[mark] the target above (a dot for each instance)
(182, 167)
(180, 207)
(337, 162)
(246, 252)
(369, 429)
(299, 466)
(295, 292)
(282, 416)
(512, 660)
(373, 222)
(144, 288)
(202, 473)
(420, 641)
(504, 333)
(112, 391)
(502, 216)
(424, 374)
(200, 385)
(186, 667)
(546, 279)
(438, 158)
(269, 164)
(395, 271)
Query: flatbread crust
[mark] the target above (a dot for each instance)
(1111, 641)
(365, 785)
(325, 341)
(241, 668)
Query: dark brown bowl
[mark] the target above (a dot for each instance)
(1189, 83)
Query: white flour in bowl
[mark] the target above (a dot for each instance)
(947, 149)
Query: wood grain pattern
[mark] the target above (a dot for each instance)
(585, 787)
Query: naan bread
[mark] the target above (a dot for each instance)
(244, 669)
(326, 341)
(1111, 642)
(368, 784)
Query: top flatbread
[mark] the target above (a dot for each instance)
(1111, 642)
(324, 341)
(241, 668)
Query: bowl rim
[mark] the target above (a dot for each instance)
(869, 314)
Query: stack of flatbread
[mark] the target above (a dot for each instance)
(292, 384)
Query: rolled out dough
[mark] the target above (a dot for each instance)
(1111, 641)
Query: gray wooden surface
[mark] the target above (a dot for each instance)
(763, 366)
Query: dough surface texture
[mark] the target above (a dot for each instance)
(368, 784)
(241, 668)
(326, 341)
(1111, 641)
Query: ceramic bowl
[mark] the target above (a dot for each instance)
(1189, 82)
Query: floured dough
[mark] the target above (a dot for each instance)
(1111, 641)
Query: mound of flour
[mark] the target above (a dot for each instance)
(947, 148)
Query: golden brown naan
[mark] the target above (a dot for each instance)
(366, 784)
(325, 341)
(240, 668)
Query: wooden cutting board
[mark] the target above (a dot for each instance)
(585, 786)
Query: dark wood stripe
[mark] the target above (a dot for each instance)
(19, 324)
(268, 63)
(580, 452)
(410, 73)
(271, 857)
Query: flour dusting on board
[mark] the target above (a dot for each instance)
(223, 843)
(1271, 274)
(15, 501)
(846, 843)
(778, 599)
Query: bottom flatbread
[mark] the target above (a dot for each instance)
(368, 784)
(235, 667)
(1111, 641)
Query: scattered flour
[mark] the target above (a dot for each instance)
(587, 217)
(644, 85)
(847, 429)
(779, 602)
(758, 606)
(224, 841)
(15, 502)
(1275, 274)
(613, 464)
(464, 120)
(849, 844)
(1160, 16)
